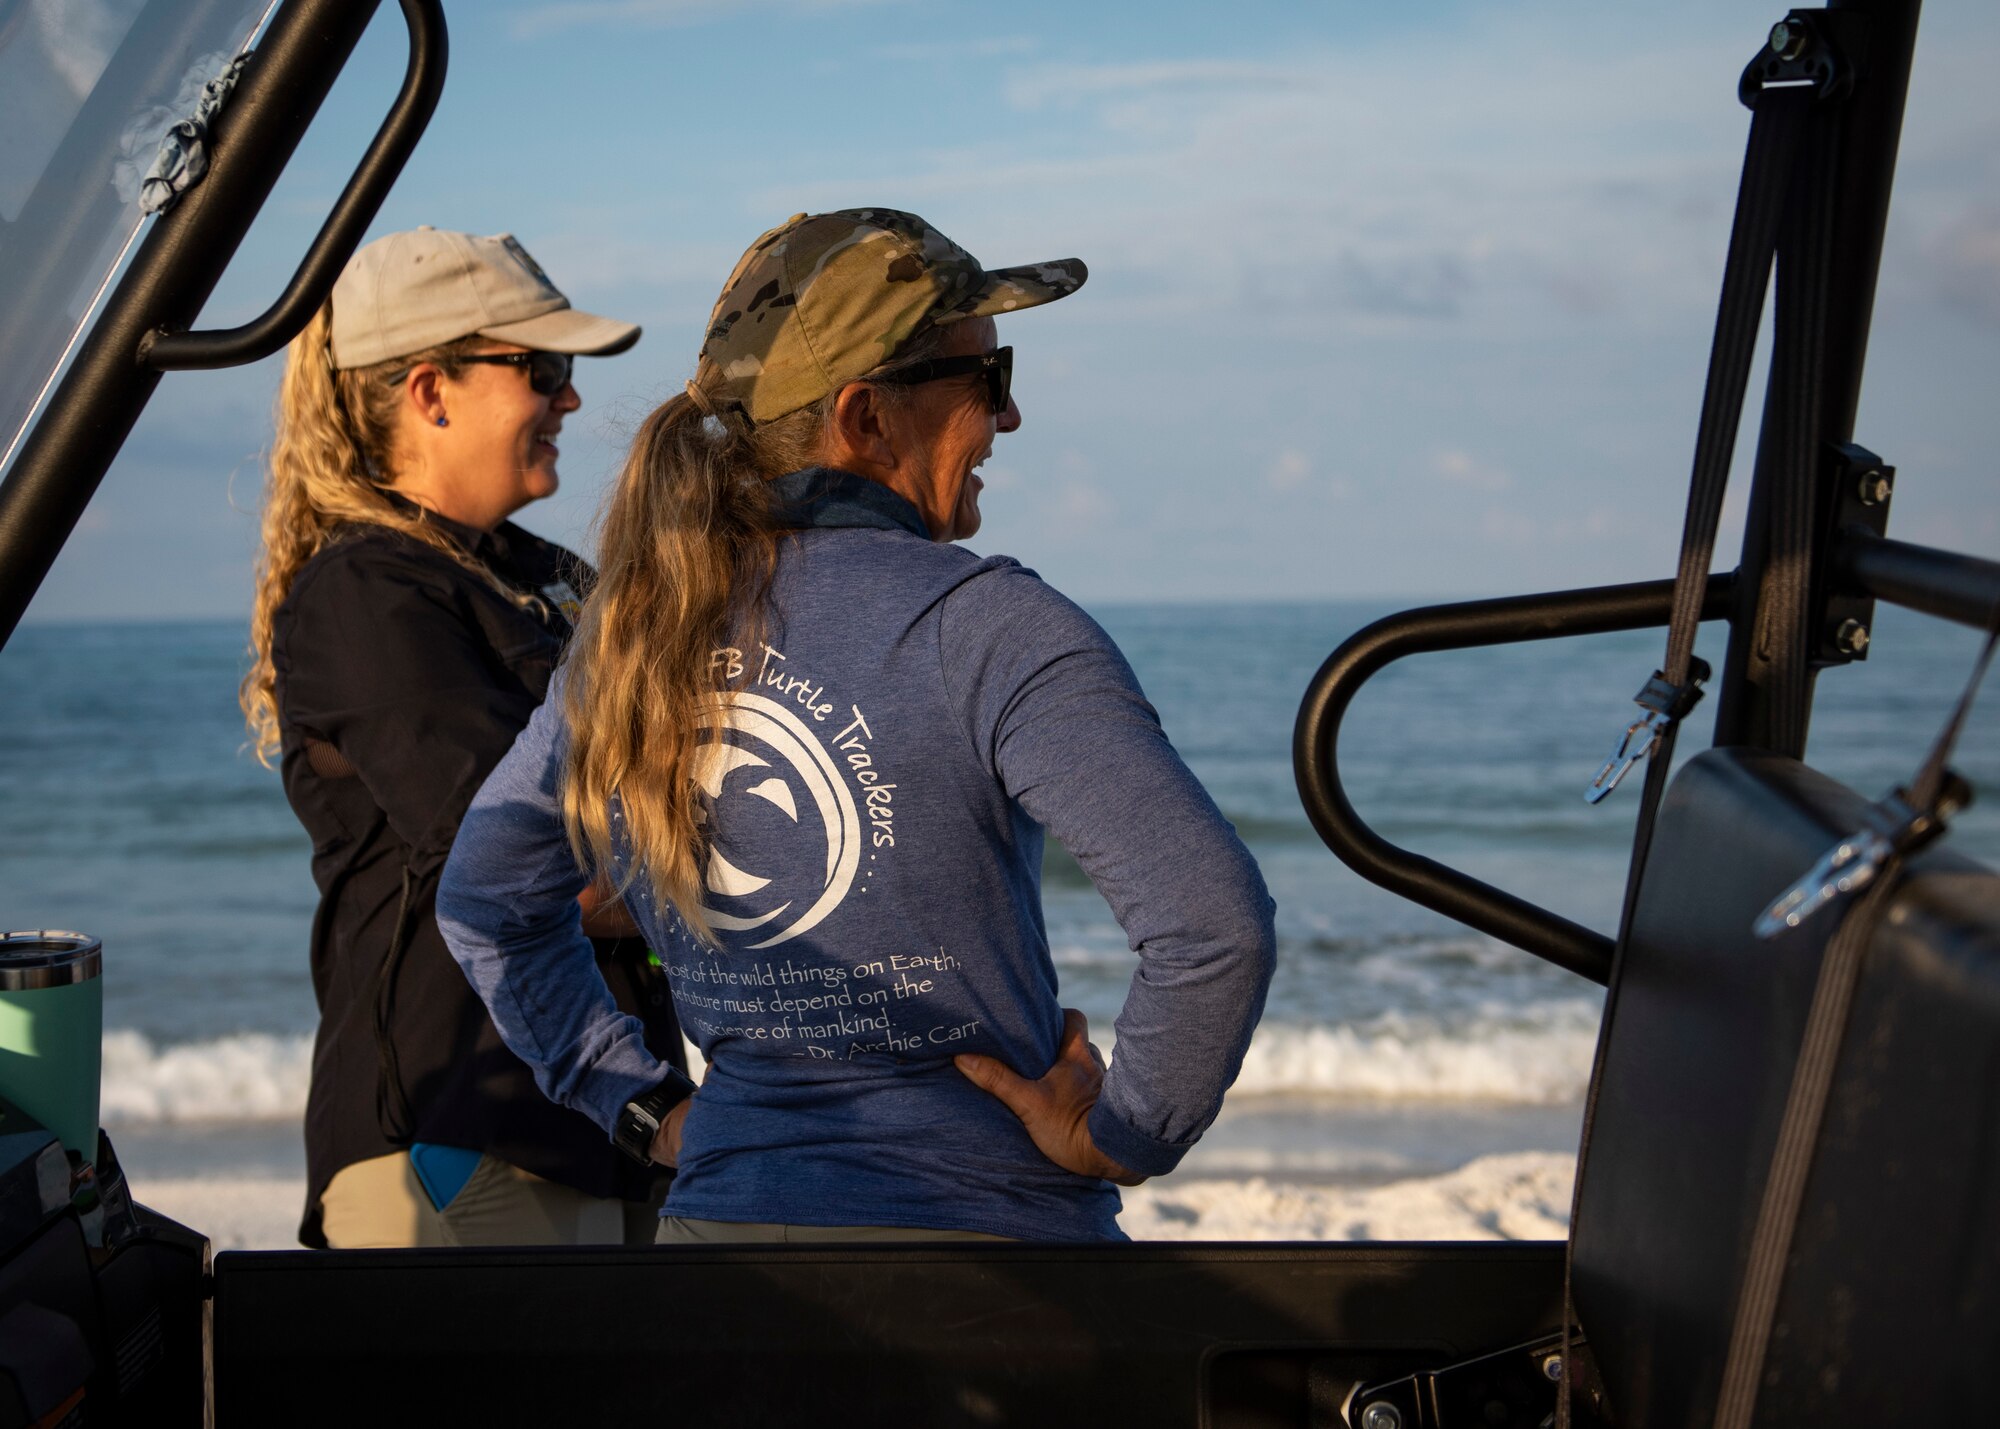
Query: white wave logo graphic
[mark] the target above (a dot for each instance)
(747, 731)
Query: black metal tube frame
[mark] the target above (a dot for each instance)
(1858, 138)
(92, 412)
(1463, 626)
(1877, 39)
(1950, 586)
(341, 234)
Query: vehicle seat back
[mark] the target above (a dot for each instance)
(1890, 1311)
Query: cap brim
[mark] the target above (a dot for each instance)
(1008, 290)
(567, 330)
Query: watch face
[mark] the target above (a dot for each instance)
(636, 1129)
(643, 1116)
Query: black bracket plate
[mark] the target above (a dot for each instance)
(1514, 1388)
(1858, 489)
(1797, 55)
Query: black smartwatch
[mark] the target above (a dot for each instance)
(640, 1122)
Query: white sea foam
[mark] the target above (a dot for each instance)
(1538, 1056)
(1522, 1196)
(251, 1076)
(1519, 1196)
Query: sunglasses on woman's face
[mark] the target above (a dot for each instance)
(996, 367)
(548, 372)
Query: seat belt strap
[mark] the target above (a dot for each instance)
(1775, 126)
(1778, 117)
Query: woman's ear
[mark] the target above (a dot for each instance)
(860, 438)
(424, 392)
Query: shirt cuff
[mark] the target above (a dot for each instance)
(1134, 1150)
(627, 1073)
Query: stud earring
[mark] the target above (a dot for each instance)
(443, 423)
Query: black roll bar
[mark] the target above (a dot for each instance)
(1852, 147)
(91, 413)
(1946, 584)
(1463, 626)
(423, 82)
(1850, 154)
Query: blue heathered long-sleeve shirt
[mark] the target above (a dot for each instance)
(911, 721)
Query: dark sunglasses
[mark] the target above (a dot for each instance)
(996, 367)
(548, 372)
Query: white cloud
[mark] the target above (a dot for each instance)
(1491, 230)
(1080, 505)
(1513, 528)
(1524, 193)
(1460, 468)
(1074, 496)
(545, 19)
(1965, 264)
(1533, 531)
(1069, 84)
(582, 259)
(957, 51)
(1289, 471)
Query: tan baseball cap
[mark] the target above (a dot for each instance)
(409, 291)
(824, 298)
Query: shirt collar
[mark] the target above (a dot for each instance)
(486, 545)
(824, 496)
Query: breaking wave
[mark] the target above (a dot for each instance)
(251, 1076)
(1539, 1056)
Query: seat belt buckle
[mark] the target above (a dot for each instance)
(1665, 704)
(1894, 826)
(1641, 737)
(1848, 867)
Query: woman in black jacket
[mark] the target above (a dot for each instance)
(402, 633)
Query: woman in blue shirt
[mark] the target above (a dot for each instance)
(818, 745)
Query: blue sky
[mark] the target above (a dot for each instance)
(1386, 300)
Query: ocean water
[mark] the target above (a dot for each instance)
(129, 809)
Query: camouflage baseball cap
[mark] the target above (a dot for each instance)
(824, 298)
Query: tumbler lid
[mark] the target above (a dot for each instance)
(48, 958)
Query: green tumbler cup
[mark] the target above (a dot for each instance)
(52, 1032)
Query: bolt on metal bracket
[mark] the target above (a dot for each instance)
(1513, 1388)
(1796, 55)
(1853, 497)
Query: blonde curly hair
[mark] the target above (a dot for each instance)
(331, 459)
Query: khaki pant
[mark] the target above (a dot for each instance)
(380, 1204)
(680, 1230)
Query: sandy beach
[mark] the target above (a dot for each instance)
(1522, 1196)
(1270, 1169)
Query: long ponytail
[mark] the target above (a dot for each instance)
(686, 553)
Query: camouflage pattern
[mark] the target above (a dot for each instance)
(824, 298)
